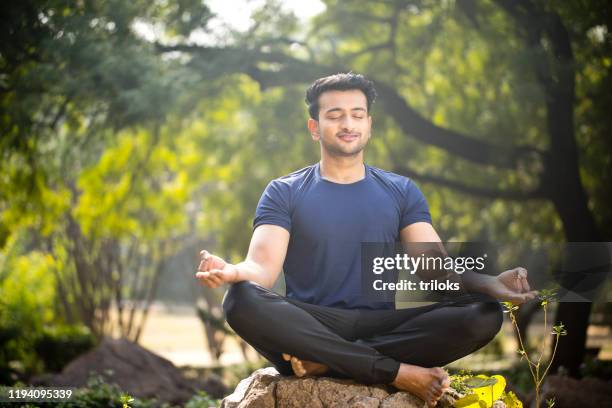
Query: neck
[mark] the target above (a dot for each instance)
(343, 170)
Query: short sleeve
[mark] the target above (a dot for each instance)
(274, 206)
(415, 207)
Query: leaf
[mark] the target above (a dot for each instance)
(469, 401)
(479, 382)
(511, 400)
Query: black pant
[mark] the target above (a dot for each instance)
(366, 345)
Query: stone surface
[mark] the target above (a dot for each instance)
(266, 388)
(135, 369)
(256, 391)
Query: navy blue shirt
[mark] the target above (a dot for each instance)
(327, 223)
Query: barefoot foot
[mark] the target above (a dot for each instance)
(428, 384)
(302, 368)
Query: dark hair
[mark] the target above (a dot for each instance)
(338, 82)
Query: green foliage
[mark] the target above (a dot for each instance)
(26, 305)
(59, 345)
(202, 400)
(537, 368)
(235, 373)
(511, 400)
(148, 152)
(126, 399)
(482, 391)
(458, 381)
(476, 382)
(100, 393)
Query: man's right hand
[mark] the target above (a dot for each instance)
(214, 271)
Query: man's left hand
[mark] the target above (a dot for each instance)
(512, 286)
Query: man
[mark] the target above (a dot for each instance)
(311, 224)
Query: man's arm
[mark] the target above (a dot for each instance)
(511, 285)
(262, 265)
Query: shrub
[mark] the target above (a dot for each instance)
(100, 394)
(58, 345)
(202, 400)
(26, 305)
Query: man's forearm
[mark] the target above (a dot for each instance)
(475, 282)
(252, 271)
(471, 281)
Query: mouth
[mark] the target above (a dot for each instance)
(348, 137)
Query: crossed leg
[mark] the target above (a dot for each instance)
(370, 346)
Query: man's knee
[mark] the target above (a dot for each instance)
(483, 321)
(240, 303)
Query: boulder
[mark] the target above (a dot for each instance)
(135, 369)
(571, 393)
(266, 388)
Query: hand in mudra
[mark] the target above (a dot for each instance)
(512, 286)
(213, 271)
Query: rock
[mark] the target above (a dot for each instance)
(135, 369)
(364, 402)
(570, 393)
(400, 400)
(254, 391)
(266, 388)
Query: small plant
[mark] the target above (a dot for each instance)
(538, 374)
(126, 399)
(202, 400)
(99, 393)
(457, 381)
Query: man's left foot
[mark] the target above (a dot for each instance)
(302, 368)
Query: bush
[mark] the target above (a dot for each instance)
(101, 394)
(97, 394)
(26, 305)
(59, 345)
(234, 373)
(9, 333)
(202, 400)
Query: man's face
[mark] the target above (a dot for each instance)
(344, 124)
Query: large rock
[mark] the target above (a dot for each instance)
(572, 393)
(266, 388)
(135, 369)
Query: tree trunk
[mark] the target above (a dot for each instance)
(579, 226)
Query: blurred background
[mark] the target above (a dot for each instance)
(134, 134)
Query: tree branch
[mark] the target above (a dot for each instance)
(470, 190)
(410, 121)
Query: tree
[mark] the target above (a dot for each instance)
(512, 94)
(518, 42)
(74, 75)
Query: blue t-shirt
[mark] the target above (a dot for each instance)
(328, 222)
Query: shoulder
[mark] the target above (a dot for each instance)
(293, 180)
(297, 176)
(397, 182)
(289, 185)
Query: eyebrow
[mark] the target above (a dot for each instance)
(340, 110)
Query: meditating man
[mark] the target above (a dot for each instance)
(311, 224)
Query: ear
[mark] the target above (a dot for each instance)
(313, 127)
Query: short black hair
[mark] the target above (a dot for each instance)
(338, 82)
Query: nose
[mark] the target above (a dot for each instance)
(347, 124)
